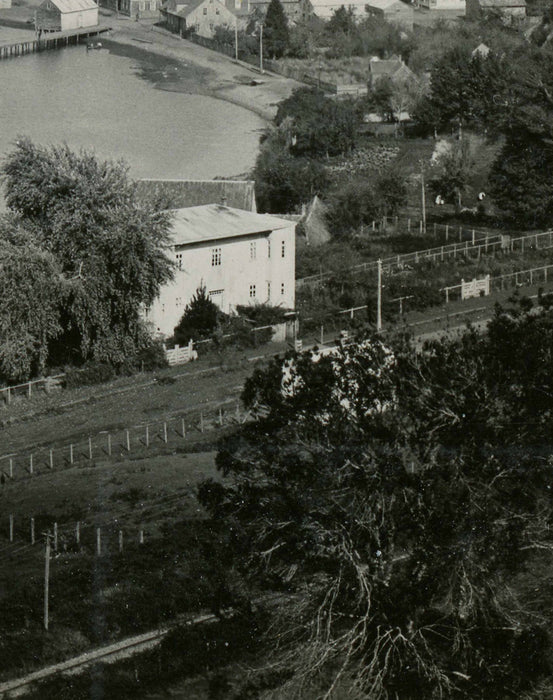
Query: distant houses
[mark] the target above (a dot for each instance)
(394, 11)
(137, 9)
(393, 69)
(510, 9)
(240, 257)
(61, 15)
(200, 16)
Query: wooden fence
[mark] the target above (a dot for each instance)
(472, 242)
(498, 283)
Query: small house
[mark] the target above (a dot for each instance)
(63, 15)
(444, 7)
(510, 9)
(137, 9)
(200, 16)
(394, 11)
(240, 257)
(394, 69)
(295, 10)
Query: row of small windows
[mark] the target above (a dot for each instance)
(253, 290)
(216, 253)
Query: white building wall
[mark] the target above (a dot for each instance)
(248, 274)
(454, 5)
(76, 20)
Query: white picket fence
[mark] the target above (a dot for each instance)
(180, 355)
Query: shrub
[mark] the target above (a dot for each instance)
(90, 373)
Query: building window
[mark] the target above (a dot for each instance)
(216, 296)
(282, 289)
(283, 248)
(179, 260)
(268, 290)
(217, 11)
(205, 10)
(253, 250)
(252, 291)
(152, 6)
(268, 247)
(215, 257)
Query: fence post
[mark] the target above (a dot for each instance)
(32, 530)
(147, 436)
(128, 441)
(408, 225)
(447, 295)
(109, 445)
(51, 459)
(165, 432)
(473, 237)
(120, 541)
(322, 335)
(220, 416)
(420, 228)
(11, 527)
(71, 453)
(98, 541)
(31, 465)
(11, 468)
(522, 244)
(434, 229)
(442, 253)
(141, 537)
(446, 233)
(30, 390)
(55, 537)
(89, 448)
(545, 275)
(201, 421)
(183, 428)
(486, 248)
(78, 532)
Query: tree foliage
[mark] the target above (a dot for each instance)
(401, 501)
(84, 213)
(276, 36)
(322, 126)
(453, 169)
(200, 318)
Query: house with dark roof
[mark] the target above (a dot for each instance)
(394, 11)
(177, 194)
(240, 257)
(510, 9)
(60, 15)
(456, 8)
(201, 16)
(394, 69)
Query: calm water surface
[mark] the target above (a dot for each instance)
(125, 103)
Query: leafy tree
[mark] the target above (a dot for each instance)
(276, 36)
(455, 166)
(322, 126)
(342, 20)
(401, 502)
(200, 318)
(283, 183)
(33, 291)
(85, 214)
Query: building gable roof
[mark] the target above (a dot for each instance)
(65, 6)
(385, 66)
(214, 222)
(387, 4)
(176, 194)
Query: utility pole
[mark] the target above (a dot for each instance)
(423, 199)
(46, 580)
(379, 298)
(261, 48)
(236, 40)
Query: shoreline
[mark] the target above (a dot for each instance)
(224, 78)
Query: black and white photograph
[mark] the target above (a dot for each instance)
(276, 349)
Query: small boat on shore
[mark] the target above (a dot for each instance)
(93, 45)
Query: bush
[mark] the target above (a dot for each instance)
(263, 314)
(91, 373)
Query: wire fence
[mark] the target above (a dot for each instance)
(471, 243)
(118, 444)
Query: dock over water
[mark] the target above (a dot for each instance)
(52, 41)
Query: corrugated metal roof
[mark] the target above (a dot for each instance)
(65, 6)
(214, 221)
(386, 4)
(176, 194)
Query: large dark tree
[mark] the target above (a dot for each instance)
(402, 504)
(84, 213)
(276, 36)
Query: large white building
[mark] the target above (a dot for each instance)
(63, 15)
(240, 257)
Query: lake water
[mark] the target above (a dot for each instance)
(125, 103)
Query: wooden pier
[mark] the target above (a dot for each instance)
(47, 43)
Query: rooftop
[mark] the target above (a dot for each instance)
(215, 221)
(385, 4)
(502, 3)
(176, 194)
(74, 5)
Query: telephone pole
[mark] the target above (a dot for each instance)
(261, 48)
(236, 40)
(46, 580)
(379, 298)
(423, 199)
